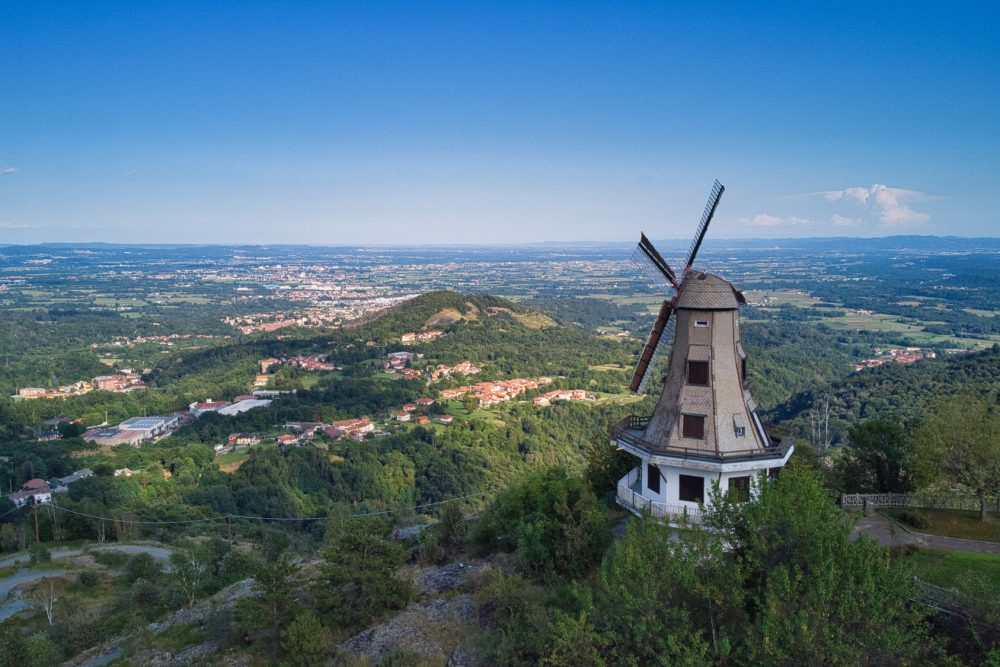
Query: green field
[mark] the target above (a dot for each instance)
(970, 573)
(952, 523)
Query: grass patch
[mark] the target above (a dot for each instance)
(951, 523)
(178, 637)
(608, 368)
(968, 572)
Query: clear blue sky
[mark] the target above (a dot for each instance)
(364, 122)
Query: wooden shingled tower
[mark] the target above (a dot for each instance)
(704, 428)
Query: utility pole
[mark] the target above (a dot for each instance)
(37, 538)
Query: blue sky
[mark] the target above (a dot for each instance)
(366, 122)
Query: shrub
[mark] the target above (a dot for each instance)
(145, 594)
(111, 558)
(39, 553)
(914, 519)
(88, 579)
(142, 566)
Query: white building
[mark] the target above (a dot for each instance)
(704, 429)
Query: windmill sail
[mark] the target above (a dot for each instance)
(647, 257)
(706, 217)
(654, 344)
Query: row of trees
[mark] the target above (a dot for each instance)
(778, 581)
(956, 448)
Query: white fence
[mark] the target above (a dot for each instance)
(945, 502)
(635, 502)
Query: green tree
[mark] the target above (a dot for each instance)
(190, 572)
(264, 615)
(808, 589)
(556, 522)
(142, 566)
(358, 583)
(8, 538)
(39, 553)
(960, 445)
(305, 640)
(878, 458)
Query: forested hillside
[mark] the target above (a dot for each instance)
(897, 392)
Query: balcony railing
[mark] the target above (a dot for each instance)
(634, 501)
(623, 431)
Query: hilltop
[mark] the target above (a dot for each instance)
(443, 308)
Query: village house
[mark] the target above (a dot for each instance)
(402, 416)
(304, 427)
(545, 399)
(351, 428)
(33, 492)
(422, 419)
(499, 391)
(243, 439)
(424, 401)
(420, 337)
(288, 439)
(445, 419)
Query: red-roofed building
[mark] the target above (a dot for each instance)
(409, 407)
(424, 401)
(423, 419)
(288, 439)
(445, 419)
(33, 492)
(198, 409)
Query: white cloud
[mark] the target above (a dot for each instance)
(8, 170)
(893, 204)
(766, 220)
(842, 221)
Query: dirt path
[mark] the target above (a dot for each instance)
(159, 553)
(889, 534)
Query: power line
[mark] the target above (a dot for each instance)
(224, 517)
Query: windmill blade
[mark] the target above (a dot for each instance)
(654, 345)
(652, 262)
(706, 217)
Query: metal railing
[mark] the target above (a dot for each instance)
(637, 503)
(620, 432)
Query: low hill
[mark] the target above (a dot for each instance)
(444, 308)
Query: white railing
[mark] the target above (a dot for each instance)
(637, 503)
(633, 479)
(875, 500)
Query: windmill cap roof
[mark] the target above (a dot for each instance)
(704, 291)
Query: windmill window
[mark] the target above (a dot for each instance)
(652, 478)
(739, 489)
(698, 372)
(701, 324)
(694, 426)
(739, 425)
(691, 488)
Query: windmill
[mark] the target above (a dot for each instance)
(704, 428)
